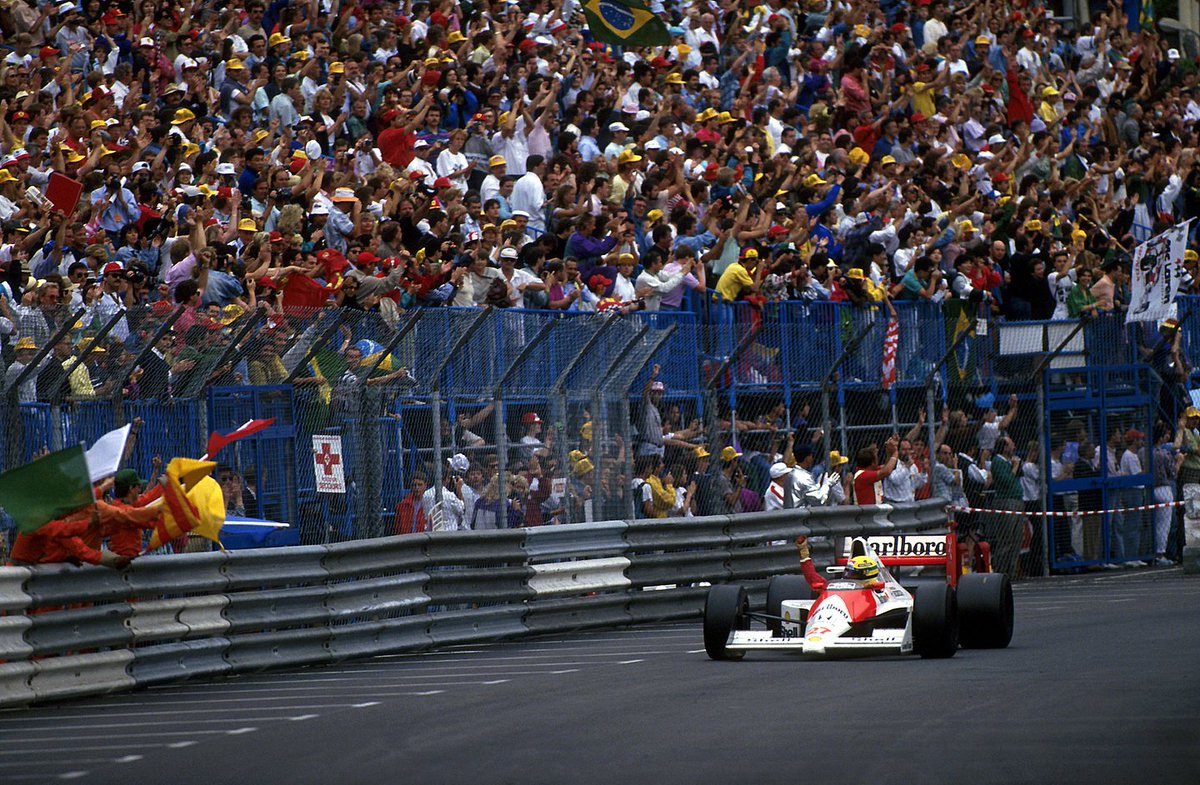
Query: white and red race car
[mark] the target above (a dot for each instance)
(870, 612)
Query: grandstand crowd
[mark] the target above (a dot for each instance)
(380, 156)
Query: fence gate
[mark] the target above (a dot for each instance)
(1092, 417)
(267, 462)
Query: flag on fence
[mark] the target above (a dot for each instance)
(1157, 273)
(625, 23)
(217, 442)
(181, 514)
(890, 342)
(105, 456)
(47, 489)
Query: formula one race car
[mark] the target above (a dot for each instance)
(864, 609)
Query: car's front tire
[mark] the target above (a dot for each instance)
(935, 622)
(725, 609)
(985, 610)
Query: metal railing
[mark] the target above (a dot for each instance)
(76, 631)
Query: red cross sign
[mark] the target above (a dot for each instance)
(327, 464)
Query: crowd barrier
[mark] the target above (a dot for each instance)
(76, 631)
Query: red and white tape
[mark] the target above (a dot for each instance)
(1066, 514)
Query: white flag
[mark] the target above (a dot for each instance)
(105, 456)
(1156, 275)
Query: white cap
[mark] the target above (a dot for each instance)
(141, 166)
(508, 253)
(996, 139)
(185, 167)
(542, 40)
(146, 42)
(1173, 55)
(675, 151)
(521, 214)
(986, 155)
(191, 190)
(641, 115)
(654, 144)
(420, 143)
(778, 470)
(615, 127)
(226, 169)
(319, 209)
(459, 463)
(65, 7)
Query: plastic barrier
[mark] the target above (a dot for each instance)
(74, 631)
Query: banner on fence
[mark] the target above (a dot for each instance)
(1157, 273)
(328, 465)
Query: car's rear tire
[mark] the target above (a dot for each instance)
(780, 588)
(725, 609)
(935, 622)
(985, 610)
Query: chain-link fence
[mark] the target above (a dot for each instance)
(388, 421)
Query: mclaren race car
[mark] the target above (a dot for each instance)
(864, 610)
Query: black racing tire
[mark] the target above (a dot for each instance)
(780, 588)
(725, 609)
(985, 610)
(935, 622)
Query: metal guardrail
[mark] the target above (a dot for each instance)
(75, 631)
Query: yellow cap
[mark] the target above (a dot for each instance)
(456, 37)
(1048, 92)
(674, 79)
(1033, 226)
(836, 459)
(960, 161)
(982, 40)
(887, 159)
(247, 225)
(813, 180)
(966, 226)
(628, 157)
(497, 160)
(6, 176)
(856, 273)
(183, 115)
(729, 454)
(1191, 256)
(683, 50)
(337, 68)
(653, 215)
(859, 157)
(726, 117)
(278, 38)
(234, 65)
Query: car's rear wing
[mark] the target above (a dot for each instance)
(920, 550)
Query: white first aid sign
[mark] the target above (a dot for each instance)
(327, 464)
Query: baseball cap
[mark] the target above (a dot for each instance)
(530, 418)
(1133, 433)
(497, 160)
(657, 386)
(508, 253)
(836, 459)
(729, 454)
(700, 452)
(599, 280)
(779, 469)
(458, 463)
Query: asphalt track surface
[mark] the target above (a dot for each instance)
(1101, 684)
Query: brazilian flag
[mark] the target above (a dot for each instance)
(960, 317)
(625, 23)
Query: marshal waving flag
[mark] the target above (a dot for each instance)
(1157, 273)
(47, 489)
(625, 23)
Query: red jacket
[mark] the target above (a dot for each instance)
(410, 515)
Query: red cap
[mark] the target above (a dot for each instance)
(660, 62)
(431, 77)
(112, 267)
(1133, 433)
(599, 280)
(276, 237)
(19, 116)
(1000, 177)
(267, 282)
(332, 260)
(527, 44)
(530, 418)
(918, 117)
(443, 182)
(160, 308)
(923, 66)
(112, 17)
(777, 231)
(48, 51)
(366, 257)
(389, 116)
(899, 28)
(416, 176)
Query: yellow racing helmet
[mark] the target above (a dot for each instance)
(861, 568)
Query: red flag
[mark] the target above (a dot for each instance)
(217, 442)
(890, 342)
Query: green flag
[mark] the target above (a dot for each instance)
(47, 489)
(625, 23)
